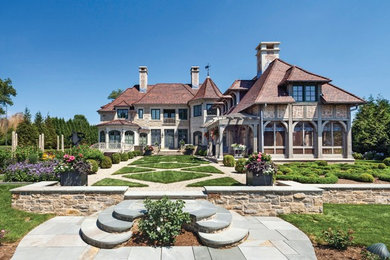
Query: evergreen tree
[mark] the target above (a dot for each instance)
(27, 131)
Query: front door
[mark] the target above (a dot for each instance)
(169, 138)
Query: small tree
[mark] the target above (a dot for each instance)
(115, 93)
(6, 92)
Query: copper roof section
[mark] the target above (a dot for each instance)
(208, 90)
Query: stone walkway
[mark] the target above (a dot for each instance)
(156, 186)
(269, 238)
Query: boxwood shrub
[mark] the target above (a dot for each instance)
(228, 160)
(116, 158)
(131, 155)
(124, 157)
(94, 165)
(240, 165)
(106, 163)
(387, 161)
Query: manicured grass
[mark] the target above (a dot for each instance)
(167, 165)
(16, 223)
(169, 158)
(225, 181)
(1, 177)
(132, 170)
(115, 182)
(208, 168)
(312, 172)
(369, 222)
(167, 176)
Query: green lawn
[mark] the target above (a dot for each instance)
(370, 222)
(313, 172)
(208, 168)
(169, 158)
(16, 223)
(132, 170)
(168, 165)
(225, 181)
(115, 182)
(1, 177)
(167, 176)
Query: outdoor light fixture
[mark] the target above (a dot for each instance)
(379, 249)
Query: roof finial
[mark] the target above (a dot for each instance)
(207, 67)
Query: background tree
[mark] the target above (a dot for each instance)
(6, 92)
(115, 93)
(371, 126)
(27, 131)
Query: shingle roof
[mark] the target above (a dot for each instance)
(297, 74)
(208, 90)
(332, 94)
(167, 93)
(128, 97)
(241, 85)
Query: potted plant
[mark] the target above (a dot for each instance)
(73, 170)
(260, 170)
(182, 144)
(148, 150)
(239, 150)
(189, 149)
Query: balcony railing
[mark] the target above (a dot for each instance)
(169, 121)
(113, 146)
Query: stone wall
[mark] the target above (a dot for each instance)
(267, 201)
(43, 197)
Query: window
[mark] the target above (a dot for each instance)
(114, 136)
(182, 135)
(274, 138)
(156, 136)
(140, 113)
(211, 110)
(304, 93)
(143, 139)
(303, 138)
(183, 114)
(129, 137)
(102, 138)
(156, 114)
(197, 138)
(197, 110)
(122, 113)
(333, 138)
(169, 113)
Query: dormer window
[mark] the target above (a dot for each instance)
(303, 93)
(122, 113)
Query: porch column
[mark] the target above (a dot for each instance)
(221, 129)
(349, 139)
(107, 138)
(261, 132)
(136, 138)
(255, 130)
(123, 140)
(319, 132)
(149, 138)
(290, 133)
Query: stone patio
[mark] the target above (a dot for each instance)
(269, 238)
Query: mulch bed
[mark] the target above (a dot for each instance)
(7, 250)
(376, 181)
(326, 253)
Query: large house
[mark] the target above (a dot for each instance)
(284, 110)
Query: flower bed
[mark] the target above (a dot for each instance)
(32, 172)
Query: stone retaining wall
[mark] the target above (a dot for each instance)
(43, 197)
(267, 201)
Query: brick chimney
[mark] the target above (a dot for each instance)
(143, 79)
(266, 53)
(195, 76)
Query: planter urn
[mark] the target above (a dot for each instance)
(73, 179)
(259, 179)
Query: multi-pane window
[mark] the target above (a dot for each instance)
(303, 138)
(182, 134)
(143, 139)
(129, 137)
(333, 138)
(274, 138)
(155, 114)
(156, 136)
(140, 113)
(122, 113)
(211, 110)
(183, 114)
(197, 110)
(304, 93)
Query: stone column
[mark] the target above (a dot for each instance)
(290, 131)
(319, 132)
(16, 140)
(136, 138)
(221, 129)
(13, 141)
(40, 142)
(122, 143)
(107, 138)
(349, 139)
(58, 143)
(261, 131)
(62, 143)
(255, 130)
(43, 142)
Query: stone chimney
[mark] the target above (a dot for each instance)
(266, 53)
(143, 79)
(195, 76)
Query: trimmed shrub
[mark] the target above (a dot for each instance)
(137, 153)
(106, 163)
(367, 177)
(387, 161)
(339, 239)
(240, 165)
(322, 163)
(116, 158)
(124, 157)
(131, 155)
(285, 169)
(94, 165)
(228, 160)
(328, 179)
(357, 156)
(381, 166)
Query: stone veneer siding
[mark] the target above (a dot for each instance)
(44, 197)
(267, 201)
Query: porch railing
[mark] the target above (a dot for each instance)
(113, 146)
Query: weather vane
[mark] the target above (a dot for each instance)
(207, 67)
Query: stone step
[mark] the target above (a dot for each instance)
(108, 223)
(200, 209)
(128, 210)
(233, 234)
(221, 220)
(94, 236)
(137, 195)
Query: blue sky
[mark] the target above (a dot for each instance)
(65, 57)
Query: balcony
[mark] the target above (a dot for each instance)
(169, 121)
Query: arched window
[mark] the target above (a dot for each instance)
(303, 138)
(129, 137)
(143, 139)
(275, 138)
(114, 136)
(333, 138)
(197, 138)
(102, 137)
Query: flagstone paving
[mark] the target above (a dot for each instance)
(269, 238)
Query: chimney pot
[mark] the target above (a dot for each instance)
(266, 53)
(143, 79)
(195, 77)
